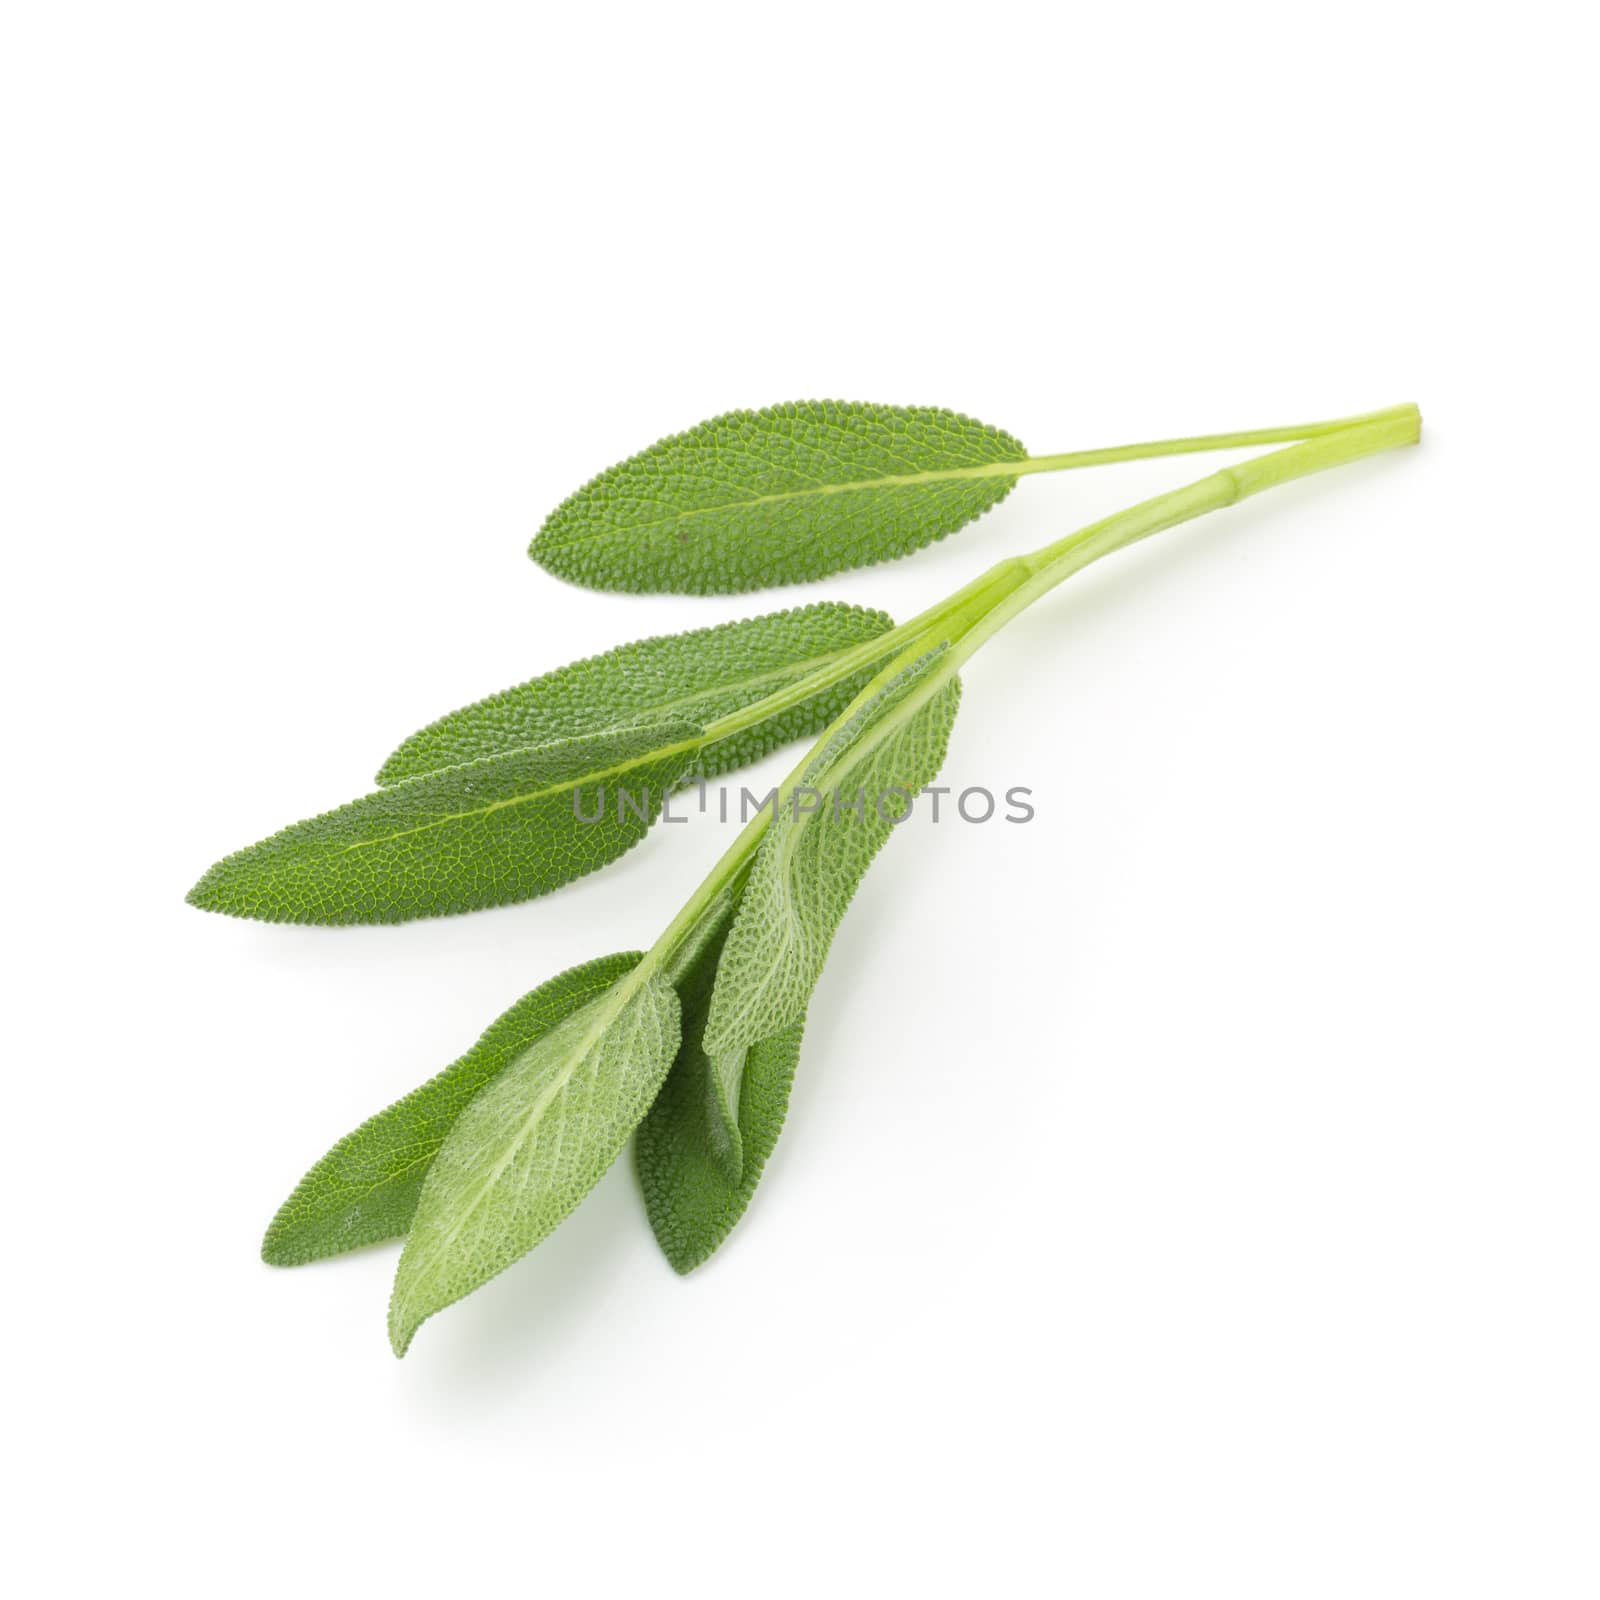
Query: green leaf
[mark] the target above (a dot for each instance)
(484, 834)
(693, 1193)
(694, 971)
(700, 676)
(532, 1144)
(756, 498)
(813, 858)
(365, 1189)
(701, 1150)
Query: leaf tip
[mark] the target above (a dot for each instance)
(203, 895)
(685, 1254)
(547, 554)
(675, 1243)
(274, 1252)
(217, 889)
(540, 551)
(288, 1242)
(402, 1329)
(692, 1254)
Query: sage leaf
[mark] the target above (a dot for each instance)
(692, 1203)
(694, 1191)
(701, 1150)
(813, 856)
(694, 969)
(531, 1144)
(756, 498)
(483, 834)
(365, 1189)
(718, 1080)
(699, 676)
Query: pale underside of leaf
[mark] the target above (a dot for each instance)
(365, 1189)
(531, 1144)
(811, 861)
(484, 834)
(698, 677)
(794, 492)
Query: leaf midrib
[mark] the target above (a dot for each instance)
(605, 1016)
(986, 469)
(658, 754)
(791, 930)
(860, 750)
(792, 669)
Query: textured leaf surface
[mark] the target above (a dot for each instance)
(692, 1192)
(698, 676)
(485, 834)
(365, 1189)
(532, 1144)
(811, 862)
(719, 1081)
(756, 498)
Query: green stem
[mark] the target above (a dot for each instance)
(1386, 430)
(966, 620)
(995, 583)
(849, 662)
(1198, 442)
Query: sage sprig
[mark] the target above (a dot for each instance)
(752, 499)
(488, 805)
(695, 1043)
(493, 803)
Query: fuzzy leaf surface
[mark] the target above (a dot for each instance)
(698, 676)
(811, 861)
(365, 1189)
(717, 1102)
(756, 498)
(531, 1144)
(484, 834)
(693, 1192)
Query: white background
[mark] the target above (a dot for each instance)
(1194, 1192)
